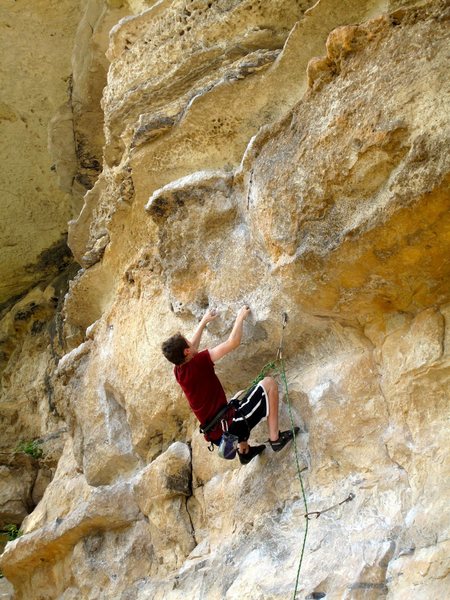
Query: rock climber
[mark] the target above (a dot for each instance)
(194, 371)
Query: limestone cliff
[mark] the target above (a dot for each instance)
(292, 155)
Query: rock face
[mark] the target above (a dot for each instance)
(51, 129)
(34, 211)
(292, 156)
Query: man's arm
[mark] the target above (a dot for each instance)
(209, 316)
(234, 339)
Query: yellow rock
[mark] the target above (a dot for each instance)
(293, 157)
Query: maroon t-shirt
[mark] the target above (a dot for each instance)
(201, 386)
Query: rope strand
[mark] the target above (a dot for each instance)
(282, 372)
(278, 368)
(299, 473)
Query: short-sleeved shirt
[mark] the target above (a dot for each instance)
(201, 386)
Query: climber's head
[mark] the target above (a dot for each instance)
(177, 349)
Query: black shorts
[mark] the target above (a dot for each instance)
(253, 408)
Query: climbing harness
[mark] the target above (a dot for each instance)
(231, 405)
(228, 442)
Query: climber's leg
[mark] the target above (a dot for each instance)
(271, 388)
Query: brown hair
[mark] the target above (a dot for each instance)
(173, 349)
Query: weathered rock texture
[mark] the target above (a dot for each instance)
(292, 156)
(52, 77)
(34, 80)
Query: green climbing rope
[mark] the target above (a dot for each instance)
(267, 368)
(299, 473)
(278, 368)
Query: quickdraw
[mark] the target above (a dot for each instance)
(284, 320)
(316, 513)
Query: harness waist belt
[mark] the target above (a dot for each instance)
(208, 426)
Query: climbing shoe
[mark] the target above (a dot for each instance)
(252, 452)
(283, 438)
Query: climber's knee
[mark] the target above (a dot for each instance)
(270, 385)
